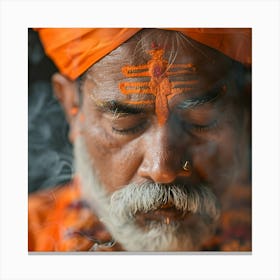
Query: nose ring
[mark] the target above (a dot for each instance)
(187, 166)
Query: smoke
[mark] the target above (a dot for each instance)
(49, 151)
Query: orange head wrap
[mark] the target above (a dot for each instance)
(74, 50)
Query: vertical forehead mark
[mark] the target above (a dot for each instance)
(158, 69)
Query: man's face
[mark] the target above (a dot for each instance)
(139, 130)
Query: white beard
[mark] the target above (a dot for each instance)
(117, 211)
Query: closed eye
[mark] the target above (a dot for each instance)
(204, 128)
(131, 130)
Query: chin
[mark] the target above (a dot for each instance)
(181, 235)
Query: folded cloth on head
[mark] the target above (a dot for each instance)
(74, 50)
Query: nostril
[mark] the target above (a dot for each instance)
(162, 174)
(165, 173)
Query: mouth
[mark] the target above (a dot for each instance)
(167, 214)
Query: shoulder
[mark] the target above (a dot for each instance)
(45, 210)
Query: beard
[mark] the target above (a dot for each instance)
(131, 212)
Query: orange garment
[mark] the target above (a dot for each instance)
(234, 232)
(74, 50)
(59, 220)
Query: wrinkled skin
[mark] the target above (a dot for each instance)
(135, 148)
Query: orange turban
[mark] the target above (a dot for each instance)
(74, 50)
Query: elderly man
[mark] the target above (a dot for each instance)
(160, 124)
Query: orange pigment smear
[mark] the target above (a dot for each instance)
(73, 111)
(140, 102)
(159, 85)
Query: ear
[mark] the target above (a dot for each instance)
(66, 92)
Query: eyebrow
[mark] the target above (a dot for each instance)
(116, 107)
(210, 96)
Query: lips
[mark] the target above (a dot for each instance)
(166, 214)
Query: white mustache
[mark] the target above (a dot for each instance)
(133, 198)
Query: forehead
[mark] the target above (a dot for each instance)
(151, 56)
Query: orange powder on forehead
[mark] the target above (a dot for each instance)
(158, 69)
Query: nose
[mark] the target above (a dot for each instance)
(163, 157)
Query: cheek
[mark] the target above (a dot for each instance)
(216, 161)
(114, 163)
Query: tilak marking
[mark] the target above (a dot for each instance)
(159, 85)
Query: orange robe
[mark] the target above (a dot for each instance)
(59, 220)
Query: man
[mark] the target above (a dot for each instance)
(160, 124)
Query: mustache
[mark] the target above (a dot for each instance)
(145, 197)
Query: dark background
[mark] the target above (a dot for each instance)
(49, 151)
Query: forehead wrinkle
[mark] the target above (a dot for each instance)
(119, 106)
(108, 94)
(106, 73)
(105, 86)
(136, 100)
